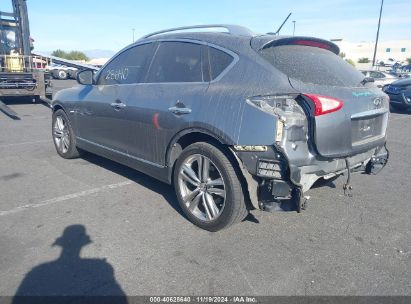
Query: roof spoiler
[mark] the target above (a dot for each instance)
(306, 41)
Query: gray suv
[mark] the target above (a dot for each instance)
(234, 120)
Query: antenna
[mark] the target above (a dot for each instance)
(282, 24)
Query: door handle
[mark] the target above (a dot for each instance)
(179, 111)
(118, 105)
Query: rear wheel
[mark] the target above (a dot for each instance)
(63, 136)
(208, 188)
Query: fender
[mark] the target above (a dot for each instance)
(58, 104)
(174, 149)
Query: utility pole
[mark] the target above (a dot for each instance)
(133, 29)
(378, 34)
(294, 28)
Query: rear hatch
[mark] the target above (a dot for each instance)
(357, 118)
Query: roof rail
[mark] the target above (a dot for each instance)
(232, 29)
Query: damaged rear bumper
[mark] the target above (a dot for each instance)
(272, 177)
(371, 162)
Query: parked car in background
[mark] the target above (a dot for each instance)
(234, 121)
(399, 74)
(399, 93)
(406, 68)
(389, 62)
(380, 78)
(62, 72)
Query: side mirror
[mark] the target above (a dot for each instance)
(85, 77)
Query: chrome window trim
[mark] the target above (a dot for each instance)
(235, 56)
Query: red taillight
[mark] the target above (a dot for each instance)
(325, 104)
(313, 43)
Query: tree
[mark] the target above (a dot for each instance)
(363, 60)
(73, 55)
(408, 60)
(350, 61)
(77, 55)
(59, 53)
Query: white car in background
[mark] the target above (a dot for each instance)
(389, 62)
(380, 78)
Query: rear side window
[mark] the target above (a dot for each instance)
(219, 61)
(312, 65)
(377, 75)
(177, 62)
(128, 67)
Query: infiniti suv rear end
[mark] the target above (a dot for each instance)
(234, 121)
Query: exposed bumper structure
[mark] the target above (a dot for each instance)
(271, 177)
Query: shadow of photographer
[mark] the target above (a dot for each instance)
(70, 278)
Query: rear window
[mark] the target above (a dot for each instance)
(312, 65)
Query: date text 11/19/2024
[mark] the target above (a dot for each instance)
(204, 299)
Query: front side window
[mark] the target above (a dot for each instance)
(128, 67)
(177, 62)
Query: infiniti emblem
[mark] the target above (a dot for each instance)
(377, 102)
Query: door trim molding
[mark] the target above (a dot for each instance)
(121, 153)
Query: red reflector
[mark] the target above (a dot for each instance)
(325, 104)
(313, 43)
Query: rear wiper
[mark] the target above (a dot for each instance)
(367, 80)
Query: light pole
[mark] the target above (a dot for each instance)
(378, 34)
(294, 27)
(133, 29)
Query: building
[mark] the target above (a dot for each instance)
(399, 50)
(98, 61)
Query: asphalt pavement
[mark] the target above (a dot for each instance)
(91, 226)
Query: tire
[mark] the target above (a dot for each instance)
(63, 136)
(219, 188)
(61, 74)
(72, 74)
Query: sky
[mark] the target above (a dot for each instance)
(107, 25)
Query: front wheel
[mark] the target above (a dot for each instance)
(63, 136)
(208, 188)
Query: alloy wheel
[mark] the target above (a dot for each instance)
(202, 187)
(61, 134)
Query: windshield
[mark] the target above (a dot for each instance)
(312, 65)
(7, 40)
